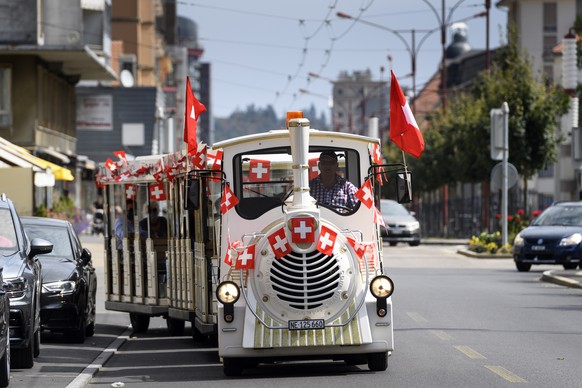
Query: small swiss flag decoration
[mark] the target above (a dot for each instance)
(246, 259)
(110, 164)
(231, 252)
(279, 243)
(157, 192)
(359, 247)
(130, 191)
(214, 159)
(313, 168)
(259, 170)
(121, 155)
(326, 241)
(229, 200)
(378, 219)
(365, 195)
(302, 230)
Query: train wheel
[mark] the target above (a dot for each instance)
(175, 326)
(232, 366)
(139, 322)
(378, 362)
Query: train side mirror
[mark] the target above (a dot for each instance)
(404, 187)
(193, 196)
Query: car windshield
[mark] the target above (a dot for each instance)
(390, 208)
(7, 231)
(560, 216)
(58, 236)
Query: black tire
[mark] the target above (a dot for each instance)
(79, 334)
(90, 330)
(23, 358)
(139, 322)
(392, 244)
(175, 326)
(197, 336)
(378, 362)
(570, 266)
(414, 243)
(5, 366)
(37, 343)
(232, 366)
(522, 267)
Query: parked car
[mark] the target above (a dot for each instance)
(21, 271)
(69, 281)
(4, 335)
(401, 224)
(554, 237)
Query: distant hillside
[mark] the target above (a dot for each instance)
(255, 120)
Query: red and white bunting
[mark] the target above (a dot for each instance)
(365, 194)
(378, 219)
(123, 176)
(159, 171)
(110, 164)
(313, 168)
(279, 243)
(130, 191)
(229, 200)
(246, 259)
(259, 170)
(326, 241)
(121, 155)
(157, 192)
(198, 158)
(359, 247)
(231, 252)
(302, 230)
(214, 161)
(375, 153)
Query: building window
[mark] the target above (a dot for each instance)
(550, 18)
(5, 96)
(548, 172)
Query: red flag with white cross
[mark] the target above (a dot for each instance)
(359, 247)
(192, 111)
(313, 168)
(130, 191)
(229, 200)
(326, 241)
(246, 259)
(157, 192)
(302, 230)
(121, 155)
(279, 243)
(214, 159)
(259, 170)
(378, 219)
(110, 164)
(231, 252)
(365, 194)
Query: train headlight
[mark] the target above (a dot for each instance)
(381, 287)
(228, 293)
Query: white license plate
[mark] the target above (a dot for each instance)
(538, 248)
(307, 324)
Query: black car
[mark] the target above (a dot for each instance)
(69, 281)
(4, 336)
(554, 237)
(22, 284)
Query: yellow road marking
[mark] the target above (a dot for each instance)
(467, 351)
(505, 374)
(442, 335)
(417, 317)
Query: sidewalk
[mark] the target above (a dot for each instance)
(563, 277)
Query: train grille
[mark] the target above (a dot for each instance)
(305, 280)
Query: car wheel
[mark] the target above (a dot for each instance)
(139, 322)
(79, 334)
(393, 244)
(23, 358)
(378, 362)
(90, 330)
(5, 365)
(37, 343)
(175, 326)
(232, 366)
(414, 243)
(522, 267)
(570, 266)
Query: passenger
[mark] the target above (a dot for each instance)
(329, 188)
(158, 224)
(123, 224)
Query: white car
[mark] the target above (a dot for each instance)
(401, 224)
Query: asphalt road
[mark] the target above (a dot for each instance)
(458, 321)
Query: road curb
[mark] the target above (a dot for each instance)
(483, 255)
(87, 374)
(549, 277)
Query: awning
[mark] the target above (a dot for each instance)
(64, 159)
(60, 173)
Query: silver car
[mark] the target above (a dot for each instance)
(401, 224)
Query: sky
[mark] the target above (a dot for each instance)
(263, 51)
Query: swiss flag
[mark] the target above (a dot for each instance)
(279, 243)
(199, 155)
(302, 230)
(313, 168)
(376, 155)
(259, 170)
(378, 219)
(130, 191)
(326, 241)
(365, 194)
(231, 252)
(246, 259)
(404, 130)
(157, 192)
(229, 200)
(192, 111)
(110, 164)
(121, 155)
(359, 247)
(214, 159)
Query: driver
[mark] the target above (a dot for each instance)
(329, 188)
